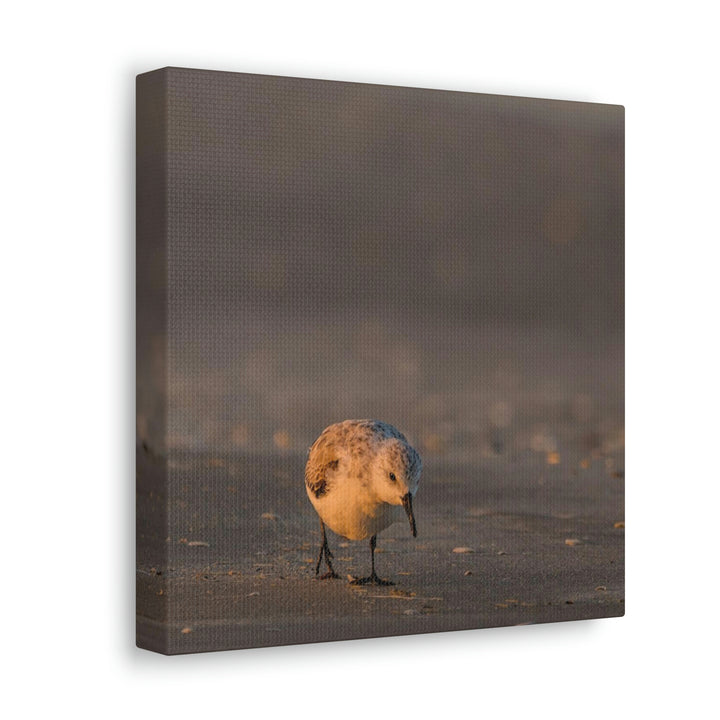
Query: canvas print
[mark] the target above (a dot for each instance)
(380, 361)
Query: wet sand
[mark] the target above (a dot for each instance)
(542, 539)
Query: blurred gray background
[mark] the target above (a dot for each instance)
(451, 263)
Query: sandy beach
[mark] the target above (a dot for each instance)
(507, 540)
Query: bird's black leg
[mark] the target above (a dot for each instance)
(373, 579)
(325, 550)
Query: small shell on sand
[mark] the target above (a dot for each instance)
(572, 542)
(463, 550)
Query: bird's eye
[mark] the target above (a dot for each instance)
(392, 477)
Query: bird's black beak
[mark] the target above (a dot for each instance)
(407, 504)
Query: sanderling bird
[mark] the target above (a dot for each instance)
(359, 475)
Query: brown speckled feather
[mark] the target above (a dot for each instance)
(326, 454)
(318, 477)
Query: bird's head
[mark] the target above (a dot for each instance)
(396, 476)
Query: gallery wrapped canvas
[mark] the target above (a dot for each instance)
(380, 347)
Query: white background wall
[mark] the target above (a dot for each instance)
(66, 623)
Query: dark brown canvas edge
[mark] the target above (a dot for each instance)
(151, 361)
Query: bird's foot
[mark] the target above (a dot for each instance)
(371, 580)
(329, 575)
(325, 552)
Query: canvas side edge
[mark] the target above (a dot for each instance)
(151, 362)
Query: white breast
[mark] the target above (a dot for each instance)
(353, 513)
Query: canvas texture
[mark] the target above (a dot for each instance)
(449, 264)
